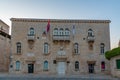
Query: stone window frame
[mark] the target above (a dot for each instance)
(90, 33)
(61, 32)
(77, 67)
(102, 48)
(55, 32)
(18, 65)
(45, 65)
(18, 47)
(46, 48)
(31, 31)
(76, 48)
(67, 32)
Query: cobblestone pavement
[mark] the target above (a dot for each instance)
(55, 77)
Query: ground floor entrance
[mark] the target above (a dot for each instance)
(91, 68)
(30, 68)
(61, 68)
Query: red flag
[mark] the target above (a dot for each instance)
(48, 26)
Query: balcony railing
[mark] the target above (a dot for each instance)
(31, 37)
(91, 38)
(59, 37)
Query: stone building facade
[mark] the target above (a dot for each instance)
(57, 46)
(4, 47)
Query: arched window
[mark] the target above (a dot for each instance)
(61, 32)
(102, 65)
(32, 32)
(76, 51)
(102, 48)
(17, 65)
(76, 65)
(90, 33)
(18, 46)
(67, 32)
(46, 48)
(45, 65)
(55, 32)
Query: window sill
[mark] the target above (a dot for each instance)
(45, 70)
(17, 70)
(76, 69)
(46, 53)
(18, 53)
(103, 70)
(76, 53)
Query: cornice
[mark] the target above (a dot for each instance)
(59, 20)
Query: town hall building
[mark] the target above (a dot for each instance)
(59, 46)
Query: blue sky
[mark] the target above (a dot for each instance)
(65, 9)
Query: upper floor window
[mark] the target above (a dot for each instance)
(102, 65)
(102, 48)
(18, 44)
(118, 63)
(67, 32)
(55, 32)
(17, 65)
(45, 65)
(76, 65)
(32, 32)
(46, 48)
(76, 51)
(90, 33)
(61, 32)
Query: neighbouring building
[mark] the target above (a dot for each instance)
(4, 47)
(115, 62)
(59, 46)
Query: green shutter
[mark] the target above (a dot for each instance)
(118, 63)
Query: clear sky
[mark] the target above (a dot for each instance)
(65, 9)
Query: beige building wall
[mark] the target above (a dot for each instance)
(4, 27)
(32, 52)
(4, 47)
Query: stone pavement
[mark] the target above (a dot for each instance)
(6, 76)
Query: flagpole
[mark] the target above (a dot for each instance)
(73, 31)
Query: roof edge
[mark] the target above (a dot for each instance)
(5, 23)
(59, 20)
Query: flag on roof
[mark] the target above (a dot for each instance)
(48, 26)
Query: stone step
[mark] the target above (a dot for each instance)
(38, 78)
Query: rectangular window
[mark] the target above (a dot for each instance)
(102, 50)
(18, 49)
(118, 64)
(46, 48)
(18, 45)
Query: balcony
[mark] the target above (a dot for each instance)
(91, 38)
(31, 37)
(61, 38)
